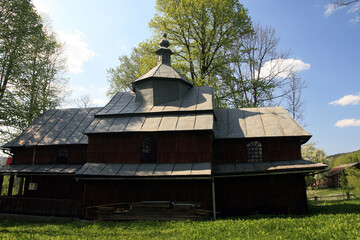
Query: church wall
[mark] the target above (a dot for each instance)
(172, 147)
(274, 149)
(49, 154)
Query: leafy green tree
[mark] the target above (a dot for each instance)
(214, 44)
(314, 154)
(351, 157)
(353, 179)
(140, 61)
(32, 67)
(201, 34)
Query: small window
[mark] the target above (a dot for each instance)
(62, 156)
(148, 150)
(254, 152)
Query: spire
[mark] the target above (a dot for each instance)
(164, 52)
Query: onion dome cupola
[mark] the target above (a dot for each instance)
(162, 84)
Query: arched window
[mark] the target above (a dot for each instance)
(254, 152)
(62, 156)
(148, 150)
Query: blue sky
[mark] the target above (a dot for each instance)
(324, 40)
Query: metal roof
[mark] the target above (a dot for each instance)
(266, 167)
(337, 169)
(163, 71)
(257, 122)
(145, 169)
(123, 103)
(152, 123)
(55, 127)
(40, 169)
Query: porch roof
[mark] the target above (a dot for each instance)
(278, 167)
(40, 169)
(145, 169)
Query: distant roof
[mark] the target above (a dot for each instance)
(257, 122)
(163, 71)
(56, 127)
(336, 170)
(123, 103)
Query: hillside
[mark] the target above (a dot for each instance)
(343, 158)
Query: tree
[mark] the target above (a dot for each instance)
(260, 71)
(318, 155)
(353, 179)
(202, 32)
(341, 3)
(311, 153)
(294, 103)
(84, 101)
(141, 60)
(31, 64)
(215, 45)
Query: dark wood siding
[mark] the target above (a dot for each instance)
(48, 154)
(56, 187)
(274, 149)
(176, 147)
(261, 194)
(122, 191)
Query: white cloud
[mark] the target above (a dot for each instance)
(348, 123)
(347, 100)
(76, 50)
(41, 5)
(282, 67)
(77, 88)
(99, 102)
(330, 9)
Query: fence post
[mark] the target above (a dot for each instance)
(315, 197)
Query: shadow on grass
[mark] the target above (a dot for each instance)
(335, 207)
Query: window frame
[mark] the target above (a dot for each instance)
(254, 152)
(148, 150)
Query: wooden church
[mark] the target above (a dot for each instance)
(164, 144)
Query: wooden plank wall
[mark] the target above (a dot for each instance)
(122, 191)
(274, 149)
(48, 154)
(276, 194)
(177, 147)
(55, 187)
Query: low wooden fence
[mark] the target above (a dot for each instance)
(40, 206)
(334, 197)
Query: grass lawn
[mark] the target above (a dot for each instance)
(327, 220)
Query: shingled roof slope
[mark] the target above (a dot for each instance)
(196, 99)
(56, 127)
(257, 122)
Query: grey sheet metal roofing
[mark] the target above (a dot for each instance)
(168, 122)
(40, 169)
(56, 127)
(145, 169)
(267, 167)
(163, 71)
(257, 122)
(196, 99)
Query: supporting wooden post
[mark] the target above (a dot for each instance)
(213, 197)
(11, 185)
(1, 183)
(21, 186)
(84, 202)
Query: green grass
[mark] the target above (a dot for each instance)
(327, 220)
